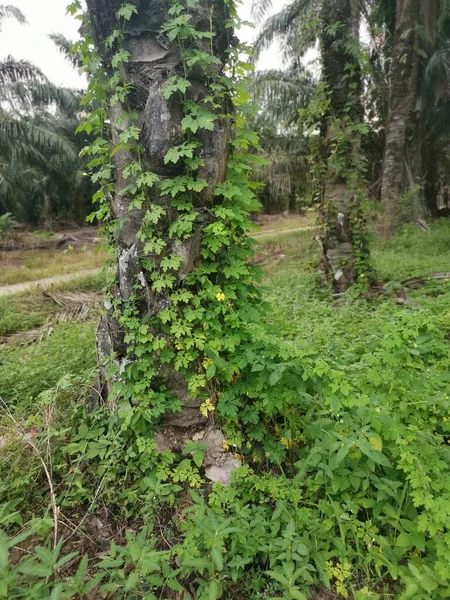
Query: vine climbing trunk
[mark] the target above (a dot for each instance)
(169, 117)
(402, 168)
(343, 237)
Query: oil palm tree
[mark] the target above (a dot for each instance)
(417, 127)
(279, 96)
(31, 138)
(336, 26)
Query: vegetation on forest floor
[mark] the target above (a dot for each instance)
(361, 504)
(323, 405)
(266, 223)
(30, 265)
(29, 310)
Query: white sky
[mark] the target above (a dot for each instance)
(31, 41)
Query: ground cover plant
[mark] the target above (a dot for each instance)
(241, 432)
(350, 493)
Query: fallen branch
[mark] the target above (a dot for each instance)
(418, 281)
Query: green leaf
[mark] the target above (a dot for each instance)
(57, 592)
(210, 370)
(65, 559)
(174, 585)
(376, 443)
(378, 457)
(81, 571)
(176, 153)
(197, 457)
(214, 590)
(34, 570)
(197, 563)
(46, 555)
(4, 554)
(296, 594)
(121, 56)
(216, 555)
(126, 11)
(280, 577)
(276, 375)
(130, 133)
(175, 84)
(200, 118)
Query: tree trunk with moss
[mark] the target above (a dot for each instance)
(402, 168)
(341, 73)
(153, 59)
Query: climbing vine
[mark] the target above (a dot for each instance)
(205, 326)
(338, 165)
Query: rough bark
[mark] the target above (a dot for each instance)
(401, 171)
(153, 59)
(337, 245)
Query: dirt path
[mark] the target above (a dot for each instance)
(7, 290)
(259, 234)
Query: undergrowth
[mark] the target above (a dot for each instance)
(27, 371)
(350, 491)
(29, 310)
(413, 252)
(31, 265)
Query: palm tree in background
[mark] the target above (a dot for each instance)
(279, 96)
(404, 96)
(299, 26)
(37, 138)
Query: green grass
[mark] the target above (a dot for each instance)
(281, 223)
(364, 393)
(29, 310)
(304, 312)
(31, 265)
(414, 252)
(23, 311)
(27, 371)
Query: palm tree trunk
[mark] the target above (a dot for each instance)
(340, 198)
(152, 61)
(402, 161)
(48, 211)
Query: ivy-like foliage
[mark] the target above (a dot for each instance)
(207, 330)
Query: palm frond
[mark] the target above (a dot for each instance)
(8, 184)
(31, 141)
(285, 92)
(46, 140)
(8, 11)
(436, 77)
(31, 97)
(44, 94)
(280, 23)
(65, 46)
(13, 71)
(15, 145)
(260, 8)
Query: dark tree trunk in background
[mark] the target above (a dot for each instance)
(339, 197)
(153, 59)
(47, 211)
(402, 160)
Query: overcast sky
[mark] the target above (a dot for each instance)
(31, 41)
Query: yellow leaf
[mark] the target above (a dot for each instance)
(376, 443)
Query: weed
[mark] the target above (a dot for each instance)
(25, 372)
(346, 488)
